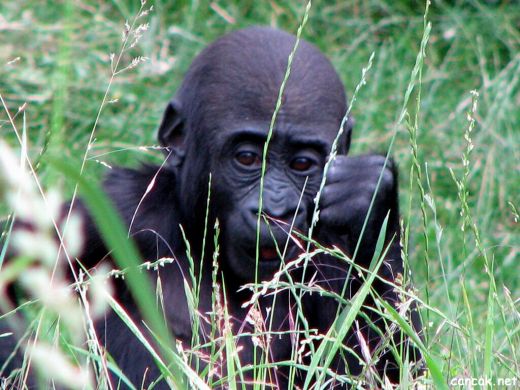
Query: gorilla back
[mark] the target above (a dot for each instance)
(217, 124)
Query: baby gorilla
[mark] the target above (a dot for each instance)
(218, 124)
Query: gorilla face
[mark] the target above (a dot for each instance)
(294, 167)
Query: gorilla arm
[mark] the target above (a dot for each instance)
(345, 204)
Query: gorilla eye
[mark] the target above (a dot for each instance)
(247, 158)
(302, 164)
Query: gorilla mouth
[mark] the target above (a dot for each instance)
(268, 253)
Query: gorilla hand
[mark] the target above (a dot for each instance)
(345, 201)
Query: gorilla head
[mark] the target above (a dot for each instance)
(219, 121)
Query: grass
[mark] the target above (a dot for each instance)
(458, 155)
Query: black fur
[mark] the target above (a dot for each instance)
(217, 123)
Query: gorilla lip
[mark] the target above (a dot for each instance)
(268, 253)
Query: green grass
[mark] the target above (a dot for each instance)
(462, 238)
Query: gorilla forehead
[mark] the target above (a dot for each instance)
(238, 77)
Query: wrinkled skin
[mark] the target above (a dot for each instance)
(218, 123)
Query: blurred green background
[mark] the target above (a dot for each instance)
(55, 61)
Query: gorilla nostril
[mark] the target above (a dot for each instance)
(253, 211)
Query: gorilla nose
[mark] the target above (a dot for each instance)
(280, 207)
(281, 211)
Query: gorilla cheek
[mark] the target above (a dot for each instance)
(232, 255)
(238, 265)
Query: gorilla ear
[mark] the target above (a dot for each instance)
(172, 132)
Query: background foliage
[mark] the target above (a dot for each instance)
(55, 63)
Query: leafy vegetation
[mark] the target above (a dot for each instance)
(86, 82)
